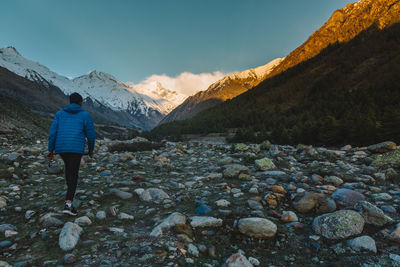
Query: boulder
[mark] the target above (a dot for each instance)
(382, 147)
(69, 236)
(237, 260)
(155, 195)
(233, 170)
(372, 214)
(289, 216)
(339, 225)
(310, 201)
(50, 219)
(347, 197)
(121, 194)
(365, 242)
(395, 235)
(172, 220)
(257, 227)
(264, 164)
(84, 220)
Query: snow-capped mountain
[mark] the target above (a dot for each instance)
(228, 87)
(99, 86)
(166, 99)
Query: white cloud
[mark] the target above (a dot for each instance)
(185, 83)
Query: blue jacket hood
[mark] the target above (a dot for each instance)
(73, 108)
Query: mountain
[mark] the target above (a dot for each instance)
(98, 86)
(222, 90)
(28, 106)
(343, 25)
(347, 93)
(166, 99)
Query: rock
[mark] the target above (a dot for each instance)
(347, 197)
(222, 203)
(363, 243)
(264, 164)
(6, 226)
(69, 236)
(9, 233)
(233, 170)
(395, 235)
(240, 147)
(308, 201)
(238, 260)
(121, 194)
(49, 220)
(381, 197)
(192, 250)
(101, 215)
(84, 220)
(372, 214)
(125, 216)
(255, 205)
(254, 261)
(5, 243)
(3, 203)
(265, 145)
(172, 220)
(339, 225)
(382, 147)
(69, 258)
(225, 161)
(13, 156)
(29, 214)
(325, 205)
(333, 180)
(55, 169)
(395, 258)
(203, 209)
(276, 174)
(184, 229)
(257, 227)
(205, 221)
(389, 209)
(155, 195)
(289, 216)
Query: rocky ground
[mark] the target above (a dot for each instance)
(196, 204)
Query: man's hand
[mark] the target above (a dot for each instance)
(49, 155)
(91, 154)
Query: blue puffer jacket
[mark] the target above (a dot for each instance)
(69, 128)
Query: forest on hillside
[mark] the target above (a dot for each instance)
(347, 94)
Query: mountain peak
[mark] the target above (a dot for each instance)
(10, 50)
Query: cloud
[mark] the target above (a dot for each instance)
(185, 83)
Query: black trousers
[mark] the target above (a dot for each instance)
(72, 162)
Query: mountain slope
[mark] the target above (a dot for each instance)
(47, 99)
(98, 86)
(348, 93)
(226, 88)
(344, 25)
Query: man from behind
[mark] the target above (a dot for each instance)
(70, 127)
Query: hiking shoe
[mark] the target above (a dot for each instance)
(70, 210)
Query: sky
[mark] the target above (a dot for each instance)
(144, 40)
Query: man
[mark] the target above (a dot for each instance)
(68, 131)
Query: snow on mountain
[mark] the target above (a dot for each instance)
(167, 99)
(99, 86)
(256, 74)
